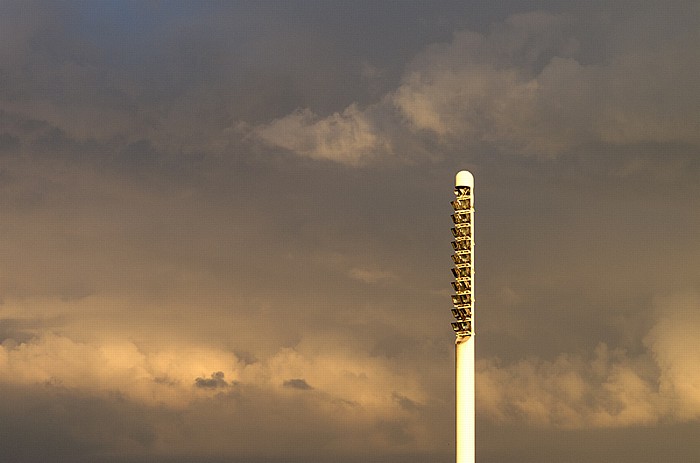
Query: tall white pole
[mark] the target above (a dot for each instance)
(464, 375)
(463, 311)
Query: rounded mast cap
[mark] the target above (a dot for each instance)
(464, 178)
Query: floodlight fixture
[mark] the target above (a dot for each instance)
(462, 258)
(460, 217)
(462, 231)
(459, 300)
(461, 326)
(461, 272)
(462, 314)
(461, 204)
(461, 245)
(461, 286)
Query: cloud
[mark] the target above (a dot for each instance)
(674, 345)
(571, 392)
(529, 84)
(116, 366)
(609, 388)
(348, 138)
(214, 382)
(371, 276)
(525, 87)
(352, 393)
(8, 142)
(300, 384)
(405, 403)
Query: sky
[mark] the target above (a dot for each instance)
(225, 230)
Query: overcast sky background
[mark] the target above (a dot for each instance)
(224, 230)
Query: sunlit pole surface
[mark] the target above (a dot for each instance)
(463, 311)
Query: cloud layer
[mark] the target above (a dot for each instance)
(527, 86)
(608, 388)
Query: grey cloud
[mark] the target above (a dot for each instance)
(347, 137)
(675, 349)
(246, 357)
(8, 142)
(142, 393)
(17, 330)
(608, 389)
(300, 384)
(180, 84)
(405, 403)
(168, 381)
(396, 432)
(216, 381)
(528, 84)
(34, 425)
(524, 87)
(653, 443)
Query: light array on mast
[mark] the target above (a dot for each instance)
(463, 270)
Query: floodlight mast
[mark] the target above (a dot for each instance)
(463, 311)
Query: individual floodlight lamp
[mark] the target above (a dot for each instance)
(463, 312)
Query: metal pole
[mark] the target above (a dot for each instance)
(463, 311)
